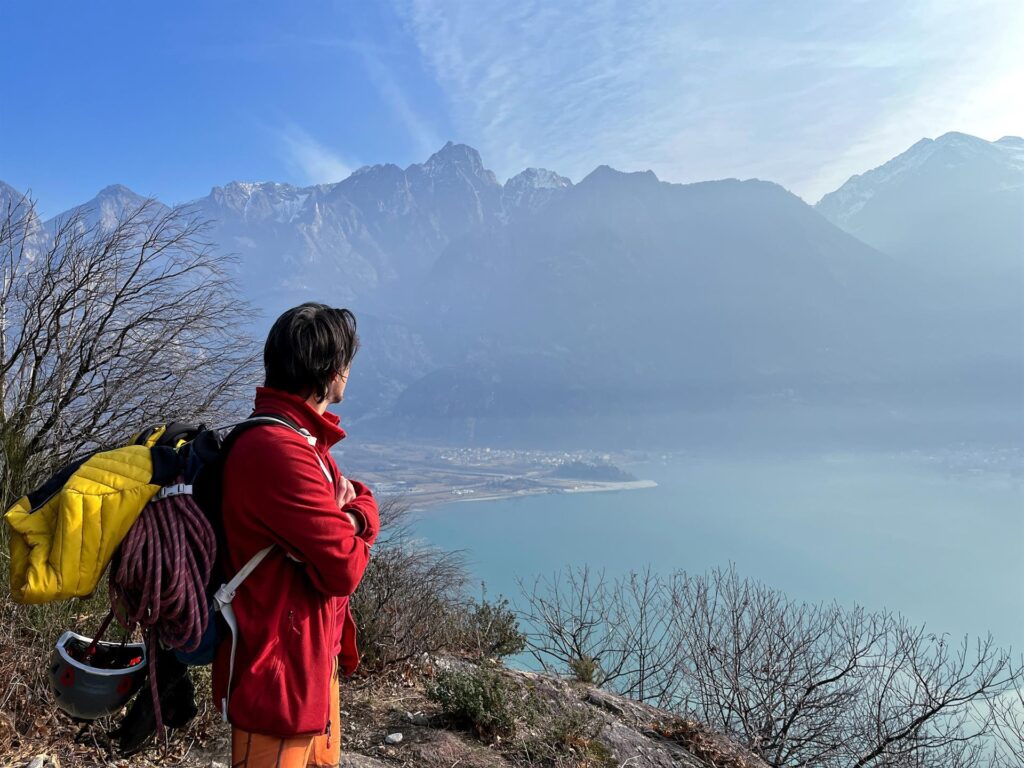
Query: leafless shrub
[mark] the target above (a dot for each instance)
(570, 623)
(796, 684)
(617, 635)
(410, 597)
(107, 327)
(1007, 713)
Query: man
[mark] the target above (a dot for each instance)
(295, 627)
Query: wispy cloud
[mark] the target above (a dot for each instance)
(425, 140)
(378, 58)
(316, 162)
(803, 93)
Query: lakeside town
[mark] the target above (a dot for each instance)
(427, 476)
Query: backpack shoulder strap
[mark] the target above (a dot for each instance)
(274, 418)
(226, 592)
(255, 420)
(222, 601)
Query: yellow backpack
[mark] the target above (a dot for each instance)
(64, 533)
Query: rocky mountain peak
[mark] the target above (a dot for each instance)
(459, 158)
(950, 150)
(1013, 147)
(117, 190)
(260, 199)
(107, 206)
(18, 204)
(114, 198)
(605, 174)
(537, 178)
(532, 189)
(8, 193)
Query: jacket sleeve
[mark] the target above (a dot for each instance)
(364, 506)
(291, 497)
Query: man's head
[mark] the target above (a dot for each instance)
(309, 350)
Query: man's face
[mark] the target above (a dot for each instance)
(336, 390)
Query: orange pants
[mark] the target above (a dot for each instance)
(255, 750)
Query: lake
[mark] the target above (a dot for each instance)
(939, 539)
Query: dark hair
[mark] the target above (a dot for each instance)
(306, 346)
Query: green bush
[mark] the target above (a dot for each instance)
(483, 699)
(490, 630)
(586, 669)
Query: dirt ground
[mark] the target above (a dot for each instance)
(372, 708)
(375, 709)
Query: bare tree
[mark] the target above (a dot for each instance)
(1008, 724)
(618, 635)
(106, 327)
(764, 670)
(569, 625)
(797, 684)
(411, 596)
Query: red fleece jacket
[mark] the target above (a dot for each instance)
(293, 611)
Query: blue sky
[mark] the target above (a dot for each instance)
(173, 98)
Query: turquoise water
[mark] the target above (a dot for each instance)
(882, 531)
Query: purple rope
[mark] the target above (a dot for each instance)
(158, 581)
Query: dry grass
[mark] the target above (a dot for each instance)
(709, 746)
(30, 723)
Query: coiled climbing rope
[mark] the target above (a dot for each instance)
(158, 578)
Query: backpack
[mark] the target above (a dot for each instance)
(203, 455)
(89, 506)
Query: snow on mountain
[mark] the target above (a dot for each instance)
(262, 200)
(18, 205)
(9, 194)
(105, 208)
(1013, 146)
(952, 210)
(952, 206)
(947, 155)
(537, 178)
(843, 204)
(532, 189)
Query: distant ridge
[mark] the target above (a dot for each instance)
(952, 205)
(623, 293)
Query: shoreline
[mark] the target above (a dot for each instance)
(426, 476)
(436, 500)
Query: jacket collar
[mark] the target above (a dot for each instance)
(325, 428)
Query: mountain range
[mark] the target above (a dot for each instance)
(944, 204)
(524, 310)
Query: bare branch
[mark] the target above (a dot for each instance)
(797, 684)
(106, 328)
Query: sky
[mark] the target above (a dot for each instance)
(172, 99)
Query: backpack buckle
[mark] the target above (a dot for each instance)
(178, 489)
(223, 596)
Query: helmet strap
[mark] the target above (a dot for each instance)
(99, 635)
